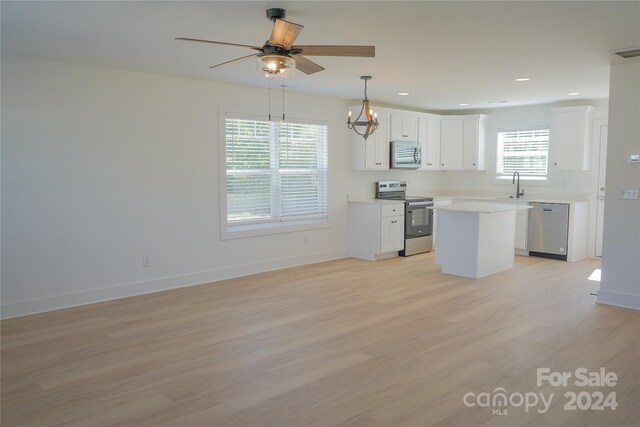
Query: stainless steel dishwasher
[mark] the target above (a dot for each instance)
(548, 230)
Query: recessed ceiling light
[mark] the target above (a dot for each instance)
(522, 79)
(403, 93)
(463, 105)
(573, 93)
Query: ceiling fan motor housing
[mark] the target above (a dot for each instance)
(270, 49)
(276, 13)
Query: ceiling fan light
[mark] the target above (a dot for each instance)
(276, 65)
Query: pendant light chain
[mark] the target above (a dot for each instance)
(365, 88)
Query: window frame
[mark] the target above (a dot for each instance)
(264, 228)
(506, 180)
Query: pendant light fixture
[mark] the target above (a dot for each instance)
(364, 126)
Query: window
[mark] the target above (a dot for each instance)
(276, 173)
(525, 151)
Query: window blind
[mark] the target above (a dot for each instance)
(524, 151)
(276, 171)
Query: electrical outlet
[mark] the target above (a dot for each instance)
(629, 193)
(146, 261)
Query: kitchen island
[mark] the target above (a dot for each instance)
(476, 239)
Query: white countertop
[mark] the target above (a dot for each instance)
(503, 199)
(472, 199)
(366, 199)
(480, 207)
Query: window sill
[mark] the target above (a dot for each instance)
(523, 181)
(271, 228)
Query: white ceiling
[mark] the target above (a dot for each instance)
(443, 53)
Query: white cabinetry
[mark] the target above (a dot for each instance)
(372, 153)
(404, 127)
(571, 138)
(462, 142)
(473, 142)
(429, 138)
(376, 230)
(451, 128)
(448, 142)
(391, 234)
(578, 231)
(521, 232)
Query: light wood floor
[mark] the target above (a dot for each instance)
(347, 342)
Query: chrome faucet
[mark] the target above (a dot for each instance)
(513, 181)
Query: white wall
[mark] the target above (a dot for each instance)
(559, 183)
(620, 281)
(103, 166)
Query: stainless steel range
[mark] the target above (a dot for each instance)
(418, 216)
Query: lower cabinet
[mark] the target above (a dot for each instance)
(391, 234)
(376, 230)
(521, 232)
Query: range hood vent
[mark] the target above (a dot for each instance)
(629, 53)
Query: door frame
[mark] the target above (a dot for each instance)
(593, 187)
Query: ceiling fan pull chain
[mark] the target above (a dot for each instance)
(269, 99)
(283, 99)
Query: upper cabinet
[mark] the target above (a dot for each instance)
(404, 127)
(447, 142)
(462, 142)
(429, 138)
(473, 142)
(571, 138)
(451, 128)
(372, 153)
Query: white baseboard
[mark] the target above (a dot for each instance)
(619, 299)
(57, 302)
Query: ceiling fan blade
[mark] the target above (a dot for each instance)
(306, 66)
(234, 60)
(284, 33)
(217, 42)
(336, 50)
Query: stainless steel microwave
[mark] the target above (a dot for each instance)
(405, 155)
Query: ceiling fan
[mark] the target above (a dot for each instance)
(279, 55)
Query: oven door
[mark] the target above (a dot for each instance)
(418, 219)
